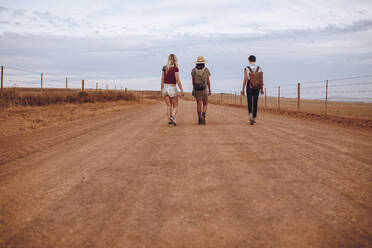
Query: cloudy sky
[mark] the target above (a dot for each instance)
(129, 41)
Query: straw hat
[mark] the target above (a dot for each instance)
(200, 60)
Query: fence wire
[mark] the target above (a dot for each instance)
(14, 77)
(349, 94)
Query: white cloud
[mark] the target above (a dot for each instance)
(179, 17)
(131, 39)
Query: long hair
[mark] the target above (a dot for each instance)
(200, 66)
(172, 60)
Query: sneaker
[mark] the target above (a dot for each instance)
(254, 120)
(170, 122)
(203, 118)
(200, 121)
(173, 120)
(251, 121)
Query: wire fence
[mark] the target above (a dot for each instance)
(348, 96)
(13, 77)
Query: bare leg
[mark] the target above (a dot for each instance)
(169, 106)
(174, 102)
(205, 104)
(198, 107)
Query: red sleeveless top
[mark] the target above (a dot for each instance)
(170, 75)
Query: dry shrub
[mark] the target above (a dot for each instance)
(20, 97)
(155, 95)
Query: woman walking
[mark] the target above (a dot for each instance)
(169, 81)
(201, 87)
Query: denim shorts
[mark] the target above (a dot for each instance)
(169, 90)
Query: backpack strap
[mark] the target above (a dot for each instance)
(258, 68)
(250, 69)
(203, 70)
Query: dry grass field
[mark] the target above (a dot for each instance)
(22, 118)
(360, 110)
(28, 109)
(37, 97)
(354, 110)
(355, 114)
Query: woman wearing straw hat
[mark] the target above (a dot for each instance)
(201, 87)
(169, 81)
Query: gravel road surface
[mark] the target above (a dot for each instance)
(127, 179)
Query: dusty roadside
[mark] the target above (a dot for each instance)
(18, 119)
(354, 122)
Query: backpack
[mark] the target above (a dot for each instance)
(199, 80)
(256, 78)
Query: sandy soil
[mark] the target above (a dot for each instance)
(128, 180)
(18, 119)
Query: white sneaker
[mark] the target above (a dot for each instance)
(173, 120)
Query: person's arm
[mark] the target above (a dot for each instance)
(262, 92)
(179, 83)
(244, 81)
(162, 80)
(209, 86)
(193, 77)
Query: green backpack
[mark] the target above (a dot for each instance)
(199, 79)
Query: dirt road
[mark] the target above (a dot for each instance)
(129, 180)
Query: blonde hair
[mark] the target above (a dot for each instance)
(172, 60)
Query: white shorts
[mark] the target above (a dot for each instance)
(169, 90)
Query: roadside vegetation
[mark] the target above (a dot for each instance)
(25, 97)
(23, 109)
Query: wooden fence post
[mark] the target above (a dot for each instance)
(298, 96)
(41, 80)
(326, 99)
(221, 98)
(241, 99)
(96, 86)
(2, 77)
(279, 97)
(82, 85)
(66, 83)
(265, 99)
(106, 86)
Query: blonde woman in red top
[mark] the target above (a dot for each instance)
(169, 81)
